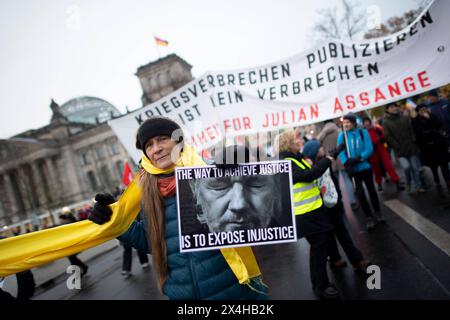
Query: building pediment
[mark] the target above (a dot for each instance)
(55, 131)
(18, 148)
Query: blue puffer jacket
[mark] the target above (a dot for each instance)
(196, 275)
(357, 147)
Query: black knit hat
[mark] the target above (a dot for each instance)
(391, 104)
(434, 93)
(157, 126)
(350, 117)
(421, 106)
(367, 119)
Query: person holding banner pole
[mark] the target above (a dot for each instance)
(226, 274)
(311, 219)
(328, 138)
(358, 150)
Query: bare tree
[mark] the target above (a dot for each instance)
(395, 24)
(344, 22)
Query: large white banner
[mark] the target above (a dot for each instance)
(318, 84)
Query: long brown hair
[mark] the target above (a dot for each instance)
(154, 210)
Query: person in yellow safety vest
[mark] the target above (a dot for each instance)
(313, 152)
(311, 219)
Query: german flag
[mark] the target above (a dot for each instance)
(161, 42)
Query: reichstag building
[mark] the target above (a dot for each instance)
(77, 154)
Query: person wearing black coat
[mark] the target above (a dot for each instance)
(313, 225)
(313, 151)
(432, 144)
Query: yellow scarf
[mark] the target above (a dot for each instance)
(37, 248)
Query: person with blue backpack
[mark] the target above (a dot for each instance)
(355, 157)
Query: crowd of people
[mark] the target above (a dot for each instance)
(359, 149)
(415, 137)
(356, 150)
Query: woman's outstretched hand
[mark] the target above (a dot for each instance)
(101, 213)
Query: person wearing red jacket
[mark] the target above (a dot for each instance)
(380, 155)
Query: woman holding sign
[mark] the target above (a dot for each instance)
(215, 274)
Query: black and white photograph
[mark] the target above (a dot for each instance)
(250, 204)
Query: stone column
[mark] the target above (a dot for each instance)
(15, 198)
(39, 185)
(3, 209)
(57, 166)
(52, 182)
(71, 177)
(25, 188)
(8, 197)
(33, 186)
(44, 179)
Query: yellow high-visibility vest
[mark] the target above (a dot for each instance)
(306, 194)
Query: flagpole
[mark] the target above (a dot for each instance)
(157, 47)
(346, 142)
(347, 148)
(159, 53)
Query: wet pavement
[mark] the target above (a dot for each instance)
(412, 266)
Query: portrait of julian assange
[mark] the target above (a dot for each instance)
(237, 202)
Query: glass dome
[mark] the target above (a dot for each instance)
(88, 110)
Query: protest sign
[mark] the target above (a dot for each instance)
(250, 204)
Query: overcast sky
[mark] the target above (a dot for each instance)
(63, 49)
